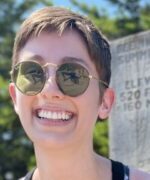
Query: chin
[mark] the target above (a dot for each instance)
(52, 140)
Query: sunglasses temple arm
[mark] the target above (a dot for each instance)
(102, 82)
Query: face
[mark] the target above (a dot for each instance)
(51, 117)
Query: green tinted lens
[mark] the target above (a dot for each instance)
(72, 79)
(29, 77)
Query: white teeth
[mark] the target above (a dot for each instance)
(59, 115)
(63, 116)
(54, 115)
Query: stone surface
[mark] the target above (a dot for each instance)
(130, 117)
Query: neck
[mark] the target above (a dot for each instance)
(74, 163)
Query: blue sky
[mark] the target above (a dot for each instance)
(101, 4)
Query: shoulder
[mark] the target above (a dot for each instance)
(137, 174)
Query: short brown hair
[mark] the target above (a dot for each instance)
(59, 19)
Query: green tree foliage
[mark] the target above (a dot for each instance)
(100, 138)
(130, 17)
(16, 153)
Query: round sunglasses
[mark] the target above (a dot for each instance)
(72, 79)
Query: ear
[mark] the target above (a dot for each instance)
(12, 92)
(106, 104)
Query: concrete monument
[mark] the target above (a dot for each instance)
(130, 118)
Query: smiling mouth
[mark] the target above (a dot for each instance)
(54, 116)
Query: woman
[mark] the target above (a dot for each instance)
(60, 85)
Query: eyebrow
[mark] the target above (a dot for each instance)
(38, 58)
(74, 59)
(65, 59)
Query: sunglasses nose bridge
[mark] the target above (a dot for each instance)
(51, 87)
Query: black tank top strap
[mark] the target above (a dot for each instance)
(119, 171)
(126, 173)
(29, 175)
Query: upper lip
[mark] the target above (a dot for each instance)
(53, 108)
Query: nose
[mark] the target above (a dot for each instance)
(51, 89)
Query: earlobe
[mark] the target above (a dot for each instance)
(107, 102)
(12, 93)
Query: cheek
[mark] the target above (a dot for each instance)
(90, 109)
(23, 106)
(88, 104)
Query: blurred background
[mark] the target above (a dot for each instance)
(115, 18)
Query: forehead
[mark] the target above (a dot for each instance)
(52, 47)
